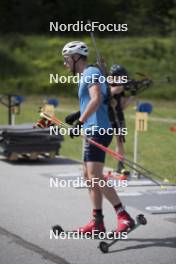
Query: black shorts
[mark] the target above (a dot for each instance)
(93, 153)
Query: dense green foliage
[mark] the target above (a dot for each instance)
(143, 17)
(27, 61)
(29, 52)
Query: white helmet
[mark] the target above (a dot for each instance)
(74, 47)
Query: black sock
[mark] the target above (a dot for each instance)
(119, 208)
(98, 216)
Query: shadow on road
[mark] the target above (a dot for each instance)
(42, 161)
(150, 242)
(46, 255)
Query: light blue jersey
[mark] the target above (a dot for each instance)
(100, 118)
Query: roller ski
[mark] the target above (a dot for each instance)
(60, 232)
(140, 220)
(91, 230)
(123, 173)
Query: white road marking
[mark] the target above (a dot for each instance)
(161, 208)
(129, 193)
(165, 192)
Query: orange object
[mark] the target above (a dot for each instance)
(122, 177)
(173, 129)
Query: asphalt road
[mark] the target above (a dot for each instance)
(29, 207)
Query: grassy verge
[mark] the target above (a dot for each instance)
(157, 146)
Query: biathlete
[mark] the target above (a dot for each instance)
(119, 103)
(93, 113)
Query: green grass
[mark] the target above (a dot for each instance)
(27, 61)
(157, 146)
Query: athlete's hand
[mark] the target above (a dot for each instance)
(76, 129)
(70, 119)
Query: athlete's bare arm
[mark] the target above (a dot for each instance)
(94, 103)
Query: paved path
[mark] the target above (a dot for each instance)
(29, 207)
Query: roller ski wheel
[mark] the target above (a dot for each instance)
(104, 247)
(57, 229)
(141, 219)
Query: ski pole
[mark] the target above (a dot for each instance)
(114, 154)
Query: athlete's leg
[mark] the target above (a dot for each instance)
(91, 170)
(120, 150)
(94, 162)
(95, 171)
(120, 145)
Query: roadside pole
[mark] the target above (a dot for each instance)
(141, 125)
